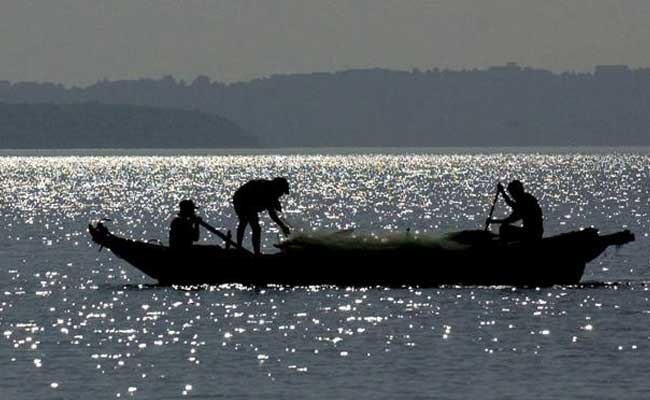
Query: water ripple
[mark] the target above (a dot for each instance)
(76, 323)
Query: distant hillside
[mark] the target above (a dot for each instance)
(496, 106)
(96, 125)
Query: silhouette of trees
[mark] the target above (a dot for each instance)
(97, 125)
(501, 105)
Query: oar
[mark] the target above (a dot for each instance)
(494, 204)
(222, 236)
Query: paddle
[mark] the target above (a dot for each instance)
(494, 204)
(225, 238)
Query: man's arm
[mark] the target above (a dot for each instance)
(195, 229)
(507, 198)
(514, 217)
(274, 216)
(173, 232)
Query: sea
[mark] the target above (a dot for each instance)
(77, 322)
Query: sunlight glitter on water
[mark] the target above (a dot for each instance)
(377, 191)
(62, 303)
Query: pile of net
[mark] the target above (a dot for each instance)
(348, 240)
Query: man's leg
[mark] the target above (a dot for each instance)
(257, 233)
(241, 228)
(511, 233)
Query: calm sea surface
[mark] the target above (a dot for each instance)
(77, 323)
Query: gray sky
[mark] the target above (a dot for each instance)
(80, 41)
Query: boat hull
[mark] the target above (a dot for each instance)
(477, 261)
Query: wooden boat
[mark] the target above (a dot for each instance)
(467, 258)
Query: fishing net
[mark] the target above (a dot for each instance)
(349, 240)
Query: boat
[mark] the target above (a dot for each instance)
(467, 258)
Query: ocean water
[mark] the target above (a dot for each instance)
(78, 323)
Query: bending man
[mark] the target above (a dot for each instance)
(256, 196)
(525, 208)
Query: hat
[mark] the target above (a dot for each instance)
(515, 185)
(187, 205)
(282, 184)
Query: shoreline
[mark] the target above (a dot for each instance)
(471, 150)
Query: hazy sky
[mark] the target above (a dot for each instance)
(80, 41)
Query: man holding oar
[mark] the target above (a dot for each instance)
(254, 197)
(525, 208)
(184, 230)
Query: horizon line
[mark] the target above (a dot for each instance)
(324, 151)
(513, 66)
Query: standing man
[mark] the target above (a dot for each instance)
(184, 230)
(525, 208)
(256, 196)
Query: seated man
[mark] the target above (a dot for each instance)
(256, 196)
(184, 230)
(524, 207)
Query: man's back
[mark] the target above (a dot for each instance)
(255, 196)
(531, 214)
(182, 233)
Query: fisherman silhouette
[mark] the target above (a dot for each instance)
(256, 196)
(525, 208)
(184, 230)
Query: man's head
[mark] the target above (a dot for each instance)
(187, 208)
(281, 185)
(516, 189)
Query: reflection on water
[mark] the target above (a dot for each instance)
(76, 323)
